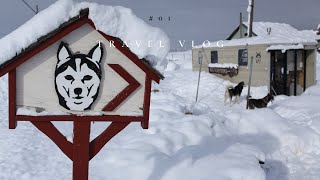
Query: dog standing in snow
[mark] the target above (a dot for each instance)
(260, 103)
(77, 77)
(233, 92)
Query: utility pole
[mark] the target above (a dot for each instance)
(240, 26)
(200, 62)
(249, 84)
(250, 11)
(36, 11)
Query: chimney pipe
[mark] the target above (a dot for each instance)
(250, 10)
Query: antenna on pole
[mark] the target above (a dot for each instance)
(36, 11)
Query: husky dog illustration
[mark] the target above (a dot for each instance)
(77, 77)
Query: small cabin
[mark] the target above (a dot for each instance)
(284, 59)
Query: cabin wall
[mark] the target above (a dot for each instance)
(311, 67)
(261, 68)
(35, 78)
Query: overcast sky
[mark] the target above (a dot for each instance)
(197, 20)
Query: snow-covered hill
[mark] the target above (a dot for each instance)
(216, 142)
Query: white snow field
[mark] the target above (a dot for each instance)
(217, 142)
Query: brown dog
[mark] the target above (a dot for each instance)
(260, 103)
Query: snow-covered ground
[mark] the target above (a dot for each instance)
(216, 142)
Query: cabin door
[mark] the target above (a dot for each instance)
(288, 72)
(278, 73)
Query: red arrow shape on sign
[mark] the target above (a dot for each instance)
(126, 92)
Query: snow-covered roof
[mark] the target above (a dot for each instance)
(279, 29)
(281, 34)
(284, 48)
(115, 21)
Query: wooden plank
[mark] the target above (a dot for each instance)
(295, 72)
(305, 70)
(12, 99)
(81, 141)
(105, 118)
(52, 132)
(97, 144)
(146, 104)
(125, 93)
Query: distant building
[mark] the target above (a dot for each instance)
(283, 57)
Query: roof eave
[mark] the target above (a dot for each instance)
(3, 67)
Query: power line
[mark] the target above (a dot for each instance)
(36, 11)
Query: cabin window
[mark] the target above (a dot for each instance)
(243, 57)
(214, 56)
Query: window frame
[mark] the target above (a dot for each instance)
(211, 57)
(241, 57)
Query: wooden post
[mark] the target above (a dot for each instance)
(251, 17)
(304, 70)
(12, 99)
(295, 72)
(200, 61)
(146, 104)
(249, 84)
(81, 150)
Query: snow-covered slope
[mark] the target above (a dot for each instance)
(216, 142)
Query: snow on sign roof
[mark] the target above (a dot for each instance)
(281, 34)
(115, 21)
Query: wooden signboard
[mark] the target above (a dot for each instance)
(79, 74)
(224, 71)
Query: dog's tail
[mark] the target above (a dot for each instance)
(229, 87)
(226, 93)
